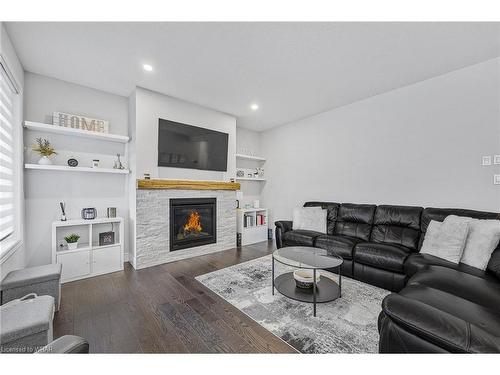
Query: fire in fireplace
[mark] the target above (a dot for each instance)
(192, 222)
(193, 227)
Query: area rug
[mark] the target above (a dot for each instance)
(346, 325)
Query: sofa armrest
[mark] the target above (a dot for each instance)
(66, 344)
(438, 327)
(282, 226)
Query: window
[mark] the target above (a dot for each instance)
(10, 155)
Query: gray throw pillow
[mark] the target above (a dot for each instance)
(483, 238)
(446, 240)
(310, 218)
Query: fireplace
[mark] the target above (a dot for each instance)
(193, 222)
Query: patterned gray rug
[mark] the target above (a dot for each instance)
(346, 325)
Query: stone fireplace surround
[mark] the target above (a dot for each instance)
(152, 218)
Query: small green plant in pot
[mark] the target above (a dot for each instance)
(72, 241)
(44, 149)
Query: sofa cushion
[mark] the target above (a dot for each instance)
(300, 237)
(387, 257)
(397, 225)
(355, 220)
(452, 304)
(422, 321)
(332, 209)
(484, 292)
(339, 245)
(419, 261)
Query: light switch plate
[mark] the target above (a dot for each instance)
(496, 159)
(487, 160)
(496, 179)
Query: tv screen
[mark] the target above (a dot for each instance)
(187, 146)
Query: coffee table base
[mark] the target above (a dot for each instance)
(327, 290)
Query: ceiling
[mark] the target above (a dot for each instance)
(291, 70)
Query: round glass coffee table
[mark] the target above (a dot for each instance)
(311, 258)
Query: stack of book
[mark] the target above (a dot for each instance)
(248, 221)
(261, 219)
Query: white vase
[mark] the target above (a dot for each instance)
(72, 245)
(44, 160)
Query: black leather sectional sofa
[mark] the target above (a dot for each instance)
(439, 306)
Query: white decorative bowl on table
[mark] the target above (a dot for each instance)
(304, 278)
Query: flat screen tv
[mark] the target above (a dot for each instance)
(187, 146)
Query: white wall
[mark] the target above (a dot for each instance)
(150, 106)
(249, 141)
(16, 257)
(418, 145)
(45, 189)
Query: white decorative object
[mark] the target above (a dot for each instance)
(486, 160)
(72, 245)
(446, 240)
(304, 278)
(310, 218)
(95, 163)
(496, 159)
(483, 238)
(80, 122)
(44, 160)
(256, 203)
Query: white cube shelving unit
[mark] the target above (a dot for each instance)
(89, 259)
(251, 228)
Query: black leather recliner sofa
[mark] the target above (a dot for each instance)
(440, 306)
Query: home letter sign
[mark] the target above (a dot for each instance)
(80, 122)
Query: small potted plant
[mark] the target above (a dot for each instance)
(45, 149)
(72, 241)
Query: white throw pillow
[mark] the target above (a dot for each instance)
(310, 218)
(446, 240)
(483, 238)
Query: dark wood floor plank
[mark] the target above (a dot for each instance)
(163, 309)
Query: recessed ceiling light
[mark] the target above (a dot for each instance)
(147, 68)
(254, 107)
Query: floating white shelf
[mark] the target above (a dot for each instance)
(252, 209)
(75, 132)
(250, 157)
(99, 220)
(66, 168)
(249, 179)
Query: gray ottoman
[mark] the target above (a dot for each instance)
(41, 280)
(26, 324)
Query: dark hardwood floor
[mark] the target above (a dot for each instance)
(163, 309)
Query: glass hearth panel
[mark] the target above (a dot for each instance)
(193, 223)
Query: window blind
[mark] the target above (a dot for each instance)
(7, 149)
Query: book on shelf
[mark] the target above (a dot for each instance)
(261, 219)
(248, 221)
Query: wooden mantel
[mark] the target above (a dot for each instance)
(187, 185)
